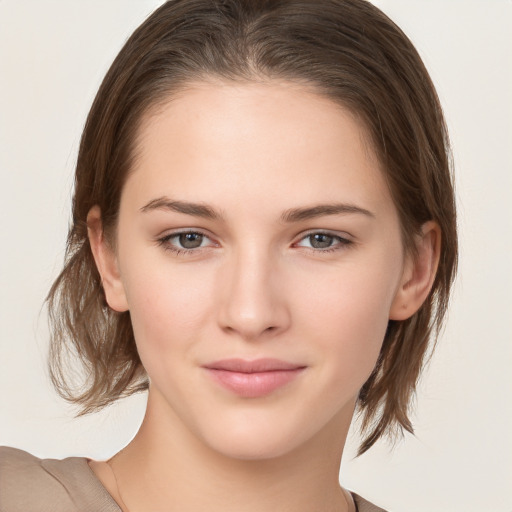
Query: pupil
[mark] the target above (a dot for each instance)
(191, 240)
(320, 241)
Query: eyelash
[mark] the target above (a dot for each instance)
(165, 242)
(342, 243)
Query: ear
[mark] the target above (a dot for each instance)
(419, 273)
(106, 262)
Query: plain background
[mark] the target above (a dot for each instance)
(53, 55)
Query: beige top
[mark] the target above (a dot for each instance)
(29, 484)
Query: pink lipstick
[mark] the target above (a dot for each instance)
(252, 379)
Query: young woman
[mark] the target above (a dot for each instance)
(264, 238)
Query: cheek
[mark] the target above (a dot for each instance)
(347, 312)
(168, 309)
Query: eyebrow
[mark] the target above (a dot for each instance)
(195, 209)
(298, 214)
(289, 216)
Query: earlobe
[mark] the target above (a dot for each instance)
(106, 262)
(419, 273)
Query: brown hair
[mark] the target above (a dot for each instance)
(347, 50)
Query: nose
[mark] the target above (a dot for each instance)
(253, 302)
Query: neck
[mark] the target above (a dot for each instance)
(167, 468)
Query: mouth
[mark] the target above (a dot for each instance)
(252, 379)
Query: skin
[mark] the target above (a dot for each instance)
(258, 286)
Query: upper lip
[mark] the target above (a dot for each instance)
(254, 366)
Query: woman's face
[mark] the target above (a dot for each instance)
(259, 254)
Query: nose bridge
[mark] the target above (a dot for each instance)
(253, 302)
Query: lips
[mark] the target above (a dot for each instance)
(252, 379)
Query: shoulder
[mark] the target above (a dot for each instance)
(26, 484)
(365, 506)
(30, 484)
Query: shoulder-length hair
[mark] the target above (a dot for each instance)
(349, 51)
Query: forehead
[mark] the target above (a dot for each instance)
(253, 140)
(215, 107)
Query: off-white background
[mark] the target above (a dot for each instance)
(53, 55)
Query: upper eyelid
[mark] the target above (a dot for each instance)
(302, 234)
(184, 231)
(335, 234)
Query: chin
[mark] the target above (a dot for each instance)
(253, 448)
(260, 437)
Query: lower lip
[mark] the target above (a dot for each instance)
(253, 385)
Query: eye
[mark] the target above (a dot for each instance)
(323, 241)
(185, 241)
